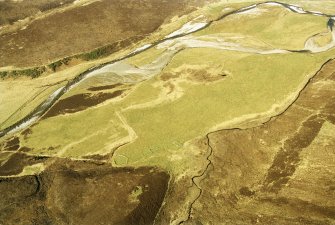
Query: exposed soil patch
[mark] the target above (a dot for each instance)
(246, 191)
(91, 26)
(69, 192)
(168, 76)
(194, 74)
(80, 102)
(203, 75)
(170, 87)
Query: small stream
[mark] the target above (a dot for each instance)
(186, 29)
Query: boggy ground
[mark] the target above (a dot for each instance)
(81, 192)
(93, 25)
(281, 172)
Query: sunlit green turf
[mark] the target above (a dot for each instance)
(255, 84)
(273, 25)
(251, 88)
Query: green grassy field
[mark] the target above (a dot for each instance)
(156, 126)
(252, 88)
(323, 39)
(325, 6)
(162, 130)
(274, 25)
(222, 115)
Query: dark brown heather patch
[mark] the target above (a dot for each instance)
(150, 202)
(86, 192)
(92, 26)
(11, 11)
(97, 157)
(12, 144)
(287, 159)
(246, 191)
(306, 134)
(203, 76)
(80, 102)
(331, 119)
(168, 76)
(24, 149)
(105, 87)
(297, 203)
(12, 148)
(13, 141)
(26, 133)
(15, 164)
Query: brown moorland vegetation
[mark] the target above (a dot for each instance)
(278, 172)
(12, 11)
(78, 192)
(98, 24)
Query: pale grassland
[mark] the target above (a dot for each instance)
(88, 132)
(15, 93)
(157, 133)
(144, 92)
(252, 88)
(33, 169)
(146, 57)
(275, 26)
(216, 10)
(209, 12)
(324, 6)
(25, 100)
(323, 39)
(162, 129)
(242, 40)
(134, 195)
(76, 135)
